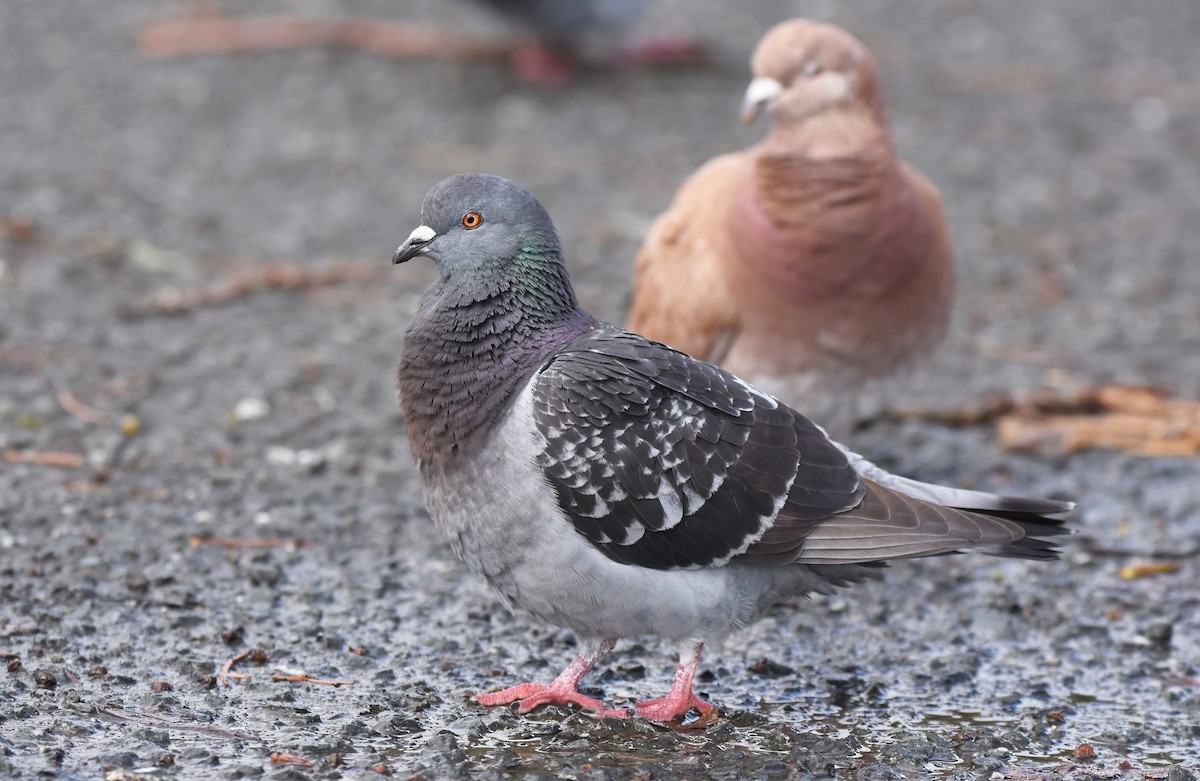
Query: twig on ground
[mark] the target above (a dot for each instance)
(247, 542)
(147, 720)
(176, 300)
(996, 407)
(1142, 421)
(1135, 571)
(284, 674)
(279, 758)
(257, 655)
(34, 358)
(123, 385)
(305, 678)
(128, 425)
(77, 409)
(212, 32)
(43, 458)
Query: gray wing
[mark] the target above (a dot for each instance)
(666, 462)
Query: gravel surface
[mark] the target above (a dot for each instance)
(1066, 139)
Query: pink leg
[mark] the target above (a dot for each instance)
(541, 66)
(681, 699)
(664, 50)
(563, 691)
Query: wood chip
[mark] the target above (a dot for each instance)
(77, 409)
(246, 542)
(1142, 421)
(1135, 571)
(1084, 752)
(252, 278)
(43, 458)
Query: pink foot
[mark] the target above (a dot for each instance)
(681, 699)
(673, 706)
(531, 695)
(563, 691)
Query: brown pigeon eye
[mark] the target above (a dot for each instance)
(472, 220)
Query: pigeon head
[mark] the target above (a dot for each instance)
(803, 69)
(480, 227)
(492, 241)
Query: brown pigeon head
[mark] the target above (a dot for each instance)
(803, 69)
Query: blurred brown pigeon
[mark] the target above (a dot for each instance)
(815, 264)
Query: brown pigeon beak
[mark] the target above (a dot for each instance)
(761, 93)
(414, 246)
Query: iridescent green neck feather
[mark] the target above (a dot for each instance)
(476, 339)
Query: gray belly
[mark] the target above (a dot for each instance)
(503, 519)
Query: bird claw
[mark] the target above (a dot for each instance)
(674, 707)
(531, 695)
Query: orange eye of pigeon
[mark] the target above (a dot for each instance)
(472, 220)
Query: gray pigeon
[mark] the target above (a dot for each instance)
(571, 33)
(616, 487)
(568, 25)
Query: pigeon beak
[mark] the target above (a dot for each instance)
(414, 246)
(761, 93)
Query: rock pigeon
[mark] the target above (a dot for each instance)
(614, 486)
(816, 264)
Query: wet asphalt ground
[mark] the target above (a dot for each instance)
(1065, 138)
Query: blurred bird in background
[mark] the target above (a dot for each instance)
(561, 37)
(817, 263)
(568, 34)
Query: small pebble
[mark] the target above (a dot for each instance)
(250, 409)
(1159, 634)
